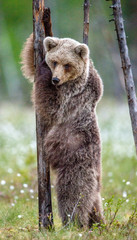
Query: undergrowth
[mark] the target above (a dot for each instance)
(18, 178)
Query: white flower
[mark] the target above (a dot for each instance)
(12, 204)
(25, 185)
(32, 196)
(21, 191)
(123, 180)
(68, 215)
(10, 170)
(127, 183)
(31, 191)
(20, 216)
(127, 200)
(80, 234)
(16, 197)
(103, 199)
(12, 187)
(124, 194)
(3, 182)
(18, 174)
(52, 186)
(106, 204)
(110, 174)
(110, 180)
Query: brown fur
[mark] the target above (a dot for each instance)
(72, 142)
(27, 59)
(71, 58)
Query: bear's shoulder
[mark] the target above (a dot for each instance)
(94, 83)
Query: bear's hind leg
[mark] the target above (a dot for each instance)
(64, 216)
(96, 216)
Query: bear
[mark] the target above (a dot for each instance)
(65, 94)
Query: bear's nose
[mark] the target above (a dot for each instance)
(55, 80)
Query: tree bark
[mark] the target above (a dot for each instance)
(47, 22)
(86, 21)
(42, 28)
(126, 66)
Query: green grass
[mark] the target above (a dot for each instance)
(18, 178)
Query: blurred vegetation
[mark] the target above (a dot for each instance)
(67, 18)
(18, 178)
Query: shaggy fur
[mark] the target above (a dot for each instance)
(72, 141)
(27, 59)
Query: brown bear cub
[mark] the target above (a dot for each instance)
(65, 95)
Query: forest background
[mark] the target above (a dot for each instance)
(67, 18)
(18, 163)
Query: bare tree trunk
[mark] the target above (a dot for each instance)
(86, 21)
(126, 65)
(42, 27)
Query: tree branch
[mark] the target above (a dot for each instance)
(47, 22)
(126, 66)
(86, 21)
(42, 27)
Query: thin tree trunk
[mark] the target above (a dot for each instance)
(126, 65)
(42, 27)
(86, 21)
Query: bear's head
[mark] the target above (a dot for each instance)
(67, 59)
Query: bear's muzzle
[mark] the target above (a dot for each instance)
(55, 80)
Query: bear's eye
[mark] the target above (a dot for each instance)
(67, 66)
(55, 64)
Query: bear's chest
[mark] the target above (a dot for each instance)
(72, 106)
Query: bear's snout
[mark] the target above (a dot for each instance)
(55, 80)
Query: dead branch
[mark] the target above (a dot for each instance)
(126, 66)
(47, 22)
(42, 27)
(86, 21)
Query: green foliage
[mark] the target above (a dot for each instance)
(67, 17)
(18, 178)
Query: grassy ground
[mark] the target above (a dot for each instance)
(18, 179)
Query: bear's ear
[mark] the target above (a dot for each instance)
(83, 51)
(50, 42)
